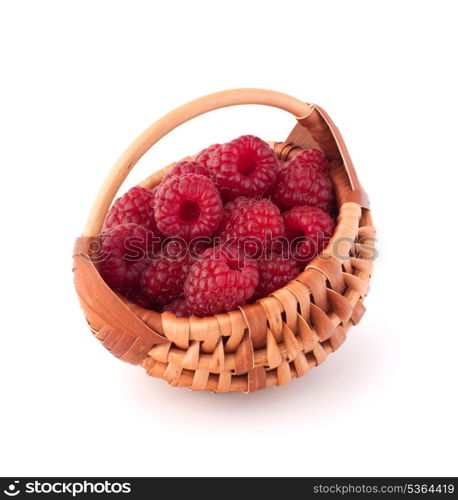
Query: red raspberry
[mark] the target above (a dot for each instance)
(136, 295)
(315, 156)
(124, 254)
(163, 279)
(179, 307)
(220, 281)
(135, 206)
(275, 271)
(188, 207)
(301, 183)
(309, 230)
(252, 223)
(246, 166)
(187, 167)
(206, 154)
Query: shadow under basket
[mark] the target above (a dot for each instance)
(270, 342)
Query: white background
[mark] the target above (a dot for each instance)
(79, 81)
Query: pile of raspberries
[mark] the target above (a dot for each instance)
(226, 228)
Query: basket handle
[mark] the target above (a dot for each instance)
(170, 121)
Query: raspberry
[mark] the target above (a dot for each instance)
(309, 230)
(220, 281)
(135, 206)
(246, 166)
(179, 307)
(206, 154)
(136, 295)
(275, 271)
(187, 167)
(315, 156)
(252, 223)
(188, 207)
(124, 254)
(300, 182)
(163, 279)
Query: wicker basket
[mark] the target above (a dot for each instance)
(258, 345)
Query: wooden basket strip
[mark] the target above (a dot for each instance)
(200, 380)
(217, 363)
(223, 382)
(172, 374)
(207, 330)
(273, 352)
(176, 329)
(257, 379)
(340, 305)
(289, 305)
(316, 283)
(273, 311)
(190, 361)
(256, 319)
(331, 268)
(314, 125)
(302, 294)
(338, 338)
(291, 344)
(238, 329)
(244, 355)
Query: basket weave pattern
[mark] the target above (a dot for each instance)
(267, 343)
